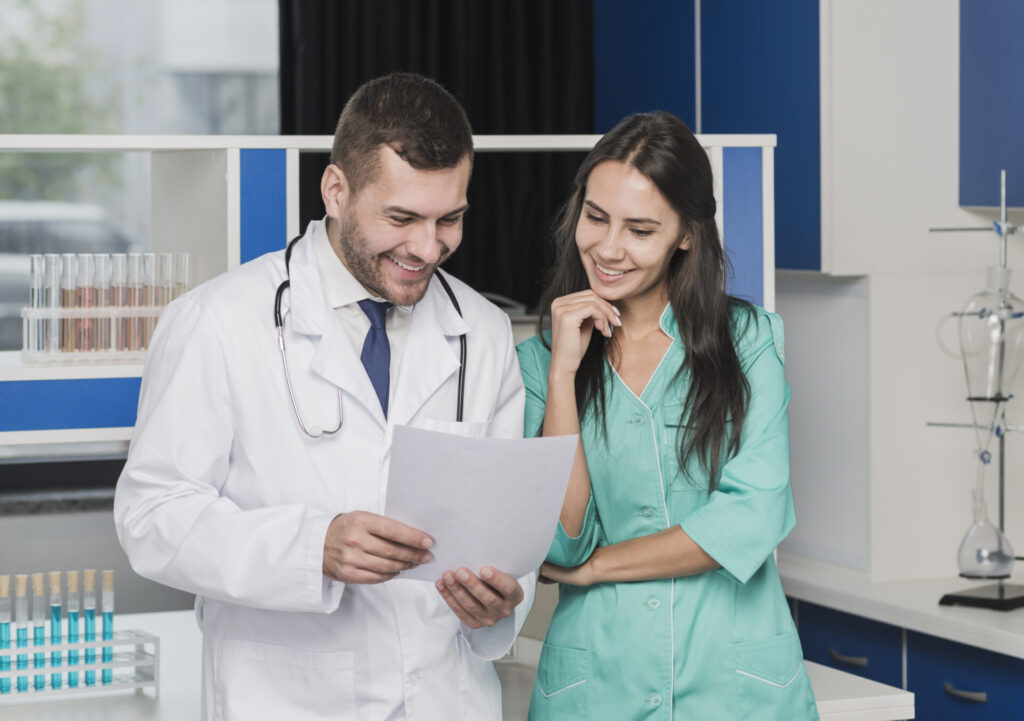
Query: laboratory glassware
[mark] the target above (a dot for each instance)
(21, 626)
(86, 269)
(36, 294)
(73, 606)
(180, 275)
(108, 623)
(136, 299)
(56, 618)
(151, 291)
(68, 285)
(51, 301)
(39, 626)
(991, 331)
(119, 298)
(89, 615)
(101, 300)
(5, 630)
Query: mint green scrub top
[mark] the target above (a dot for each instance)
(718, 645)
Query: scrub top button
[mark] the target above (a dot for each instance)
(653, 603)
(636, 420)
(654, 700)
(647, 512)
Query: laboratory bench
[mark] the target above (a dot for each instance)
(960, 663)
(841, 696)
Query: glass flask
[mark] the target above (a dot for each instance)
(985, 552)
(992, 339)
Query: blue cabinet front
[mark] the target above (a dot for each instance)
(953, 681)
(852, 644)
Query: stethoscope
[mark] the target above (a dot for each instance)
(317, 431)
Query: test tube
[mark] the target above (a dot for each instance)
(21, 625)
(135, 300)
(108, 623)
(165, 274)
(55, 624)
(180, 274)
(37, 271)
(101, 299)
(39, 626)
(89, 612)
(5, 630)
(86, 269)
(73, 606)
(119, 299)
(68, 283)
(151, 289)
(51, 301)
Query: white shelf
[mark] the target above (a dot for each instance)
(13, 368)
(313, 143)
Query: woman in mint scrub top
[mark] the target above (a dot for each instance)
(670, 604)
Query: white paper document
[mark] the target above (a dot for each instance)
(485, 501)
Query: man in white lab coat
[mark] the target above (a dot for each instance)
(236, 490)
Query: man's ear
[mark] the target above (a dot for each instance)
(335, 190)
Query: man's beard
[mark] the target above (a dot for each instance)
(366, 267)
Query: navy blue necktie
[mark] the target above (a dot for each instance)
(376, 354)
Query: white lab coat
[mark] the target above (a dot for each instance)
(224, 497)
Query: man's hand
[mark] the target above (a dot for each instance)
(362, 547)
(480, 601)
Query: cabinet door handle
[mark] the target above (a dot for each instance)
(857, 661)
(976, 696)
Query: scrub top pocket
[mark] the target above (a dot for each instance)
(771, 679)
(560, 691)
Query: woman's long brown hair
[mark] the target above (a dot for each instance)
(662, 147)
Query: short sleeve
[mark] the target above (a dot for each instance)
(751, 511)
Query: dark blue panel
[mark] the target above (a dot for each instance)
(643, 60)
(263, 202)
(759, 74)
(991, 101)
(933, 662)
(825, 633)
(78, 403)
(742, 222)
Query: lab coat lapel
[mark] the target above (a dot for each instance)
(428, 360)
(335, 359)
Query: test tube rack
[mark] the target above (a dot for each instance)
(126, 336)
(135, 665)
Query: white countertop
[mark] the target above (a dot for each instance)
(913, 605)
(841, 696)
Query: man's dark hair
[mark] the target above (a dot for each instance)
(413, 115)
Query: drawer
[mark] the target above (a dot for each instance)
(940, 672)
(853, 644)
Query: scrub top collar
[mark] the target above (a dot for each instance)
(668, 322)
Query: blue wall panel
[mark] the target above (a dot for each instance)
(742, 222)
(263, 202)
(991, 101)
(760, 74)
(74, 403)
(643, 60)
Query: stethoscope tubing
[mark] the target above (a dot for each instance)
(316, 431)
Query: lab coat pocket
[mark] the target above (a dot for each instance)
(560, 691)
(771, 679)
(262, 681)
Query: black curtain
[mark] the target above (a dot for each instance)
(517, 66)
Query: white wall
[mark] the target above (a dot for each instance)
(890, 171)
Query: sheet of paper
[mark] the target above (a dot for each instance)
(485, 501)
